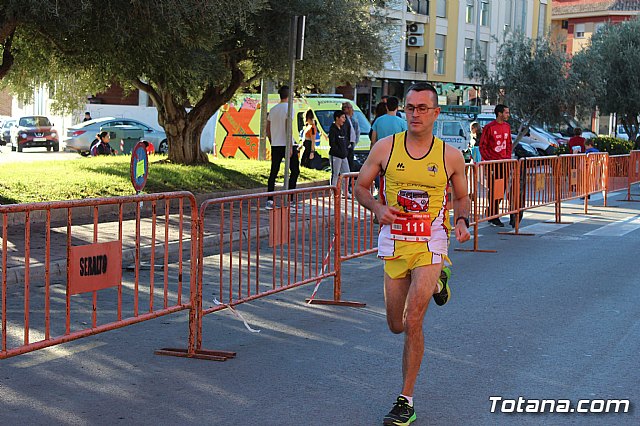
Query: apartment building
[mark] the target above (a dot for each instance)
(574, 21)
(437, 40)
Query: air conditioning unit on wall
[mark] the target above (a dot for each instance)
(415, 28)
(415, 41)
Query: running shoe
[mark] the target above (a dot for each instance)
(444, 294)
(401, 413)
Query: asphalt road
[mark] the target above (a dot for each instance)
(34, 154)
(550, 315)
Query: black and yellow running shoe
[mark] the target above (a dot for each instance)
(401, 414)
(444, 294)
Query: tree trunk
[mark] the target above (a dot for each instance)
(183, 132)
(184, 129)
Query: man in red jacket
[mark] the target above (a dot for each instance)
(495, 144)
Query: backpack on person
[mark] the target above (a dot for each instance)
(93, 149)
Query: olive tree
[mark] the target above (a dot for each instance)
(192, 56)
(16, 15)
(606, 74)
(531, 78)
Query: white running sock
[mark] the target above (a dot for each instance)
(409, 398)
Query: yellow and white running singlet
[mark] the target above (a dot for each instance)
(417, 186)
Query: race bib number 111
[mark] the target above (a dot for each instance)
(411, 227)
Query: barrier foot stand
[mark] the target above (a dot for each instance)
(198, 354)
(335, 302)
(475, 248)
(516, 233)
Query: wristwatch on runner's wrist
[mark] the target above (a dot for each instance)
(466, 220)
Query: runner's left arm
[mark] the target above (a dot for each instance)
(461, 202)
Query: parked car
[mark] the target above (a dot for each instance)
(543, 147)
(34, 131)
(5, 131)
(80, 136)
(621, 133)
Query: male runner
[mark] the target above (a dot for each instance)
(416, 168)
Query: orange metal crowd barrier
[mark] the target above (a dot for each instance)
(596, 176)
(247, 252)
(359, 233)
(634, 172)
(491, 192)
(496, 195)
(618, 177)
(569, 174)
(62, 266)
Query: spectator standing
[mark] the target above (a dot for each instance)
(476, 134)
(309, 144)
(495, 144)
(389, 124)
(338, 147)
(576, 143)
(384, 99)
(277, 134)
(87, 116)
(381, 109)
(352, 132)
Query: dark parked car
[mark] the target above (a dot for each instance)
(34, 131)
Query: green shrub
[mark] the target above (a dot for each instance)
(608, 144)
(611, 145)
(563, 149)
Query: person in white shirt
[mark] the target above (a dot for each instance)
(277, 134)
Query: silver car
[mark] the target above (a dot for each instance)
(80, 136)
(5, 131)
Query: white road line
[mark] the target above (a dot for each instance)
(618, 228)
(541, 228)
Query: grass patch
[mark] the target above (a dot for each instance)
(93, 177)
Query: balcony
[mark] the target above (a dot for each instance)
(420, 7)
(415, 62)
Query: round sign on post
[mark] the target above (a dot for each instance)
(139, 166)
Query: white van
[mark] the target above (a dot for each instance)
(455, 132)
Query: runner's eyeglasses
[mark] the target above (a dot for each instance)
(412, 109)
